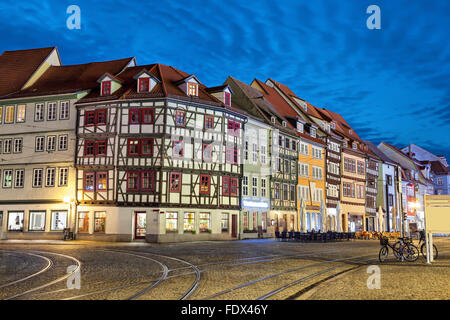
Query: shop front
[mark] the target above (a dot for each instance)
(355, 222)
(254, 219)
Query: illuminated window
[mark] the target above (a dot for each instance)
(37, 221)
(83, 222)
(175, 182)
(58, 221)
(224, 222)
(207, 152)
(205, 182)
(171, 221)
(192, 89)
(102, 181)
(99, 221)
(21, 113)
(178, 149)
(15, 221)
(9, 114)
(204, 222)
(180, 118)
(189, 222)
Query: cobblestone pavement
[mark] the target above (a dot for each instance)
(249, 269)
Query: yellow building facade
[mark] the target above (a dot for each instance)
(352, 191)
(311, 184)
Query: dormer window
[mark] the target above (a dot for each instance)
(299, 127)
(313, 132)
(345, 144)
(192, 89)
(106, 88)
(284, 124)
(144, 84)
(273, 120)
(333, 125)
(355, 146)
(227, 99)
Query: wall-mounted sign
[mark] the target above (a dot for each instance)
(255, 204)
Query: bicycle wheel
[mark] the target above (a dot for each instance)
(396, 249)
(423, 250)
(410, 252)
(384, 251)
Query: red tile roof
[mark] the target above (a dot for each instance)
(72, 78)
(16, 67)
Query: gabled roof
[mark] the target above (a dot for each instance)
(438, 168)
(72, 78)
(168, 87)
(311, 110)
(16, 67)
(221, 88)
(379, 153)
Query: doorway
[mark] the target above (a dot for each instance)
(140, 225)
(233, 225)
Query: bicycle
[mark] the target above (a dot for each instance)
(423, 247)
(401, 249)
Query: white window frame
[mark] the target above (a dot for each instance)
(41, 175)
(254, 186)
(21, 108)
(18, 145)
(63, 176)
(39, 112)
(50, 175)
(51, 146)
(19, 178)
(245, 185)
(64, 110)
(52, 106)
(7, 173)
(61, 138)
(42, 144)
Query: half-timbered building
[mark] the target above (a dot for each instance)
(159, 154)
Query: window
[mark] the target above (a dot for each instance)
(390, 200)
(62, 143)
(50, 177)
(147, 147)
(9, 114)
(63, 176)
(37, 221)
(354, 146)
(207, 152)
(286, 167)
(39, 144)
(39, 112)
(246, 149)
(133, 181)
(263, 187)
(89, 181)
(254, 187)
(349, 165)
(277, 191)
(64, 110)
(178, 149)
(95, 117)
(175, 182)
(37, 178)
(292, 187)
(51, 143)
(7, 143)
(106, 88)
(360, 167)
(233, 187)
(19, 178)
(189, 222)
(99, 221)
(224, 222)
(83, 222)
(192, 89)
(245, 186)
(317, 153)
(205, 183)
(229, 186)
(349, 190)
(317, 195)
(389, 179)
(134, 116)
(144, 84)
(227, 98)
(148, 180)
(303, 169)
(100, 148)
(233, 128)
(21, 113)
(18, 143)
(439, 182)
(102, 181)
(180, 118)
(316, 173)
(304, 149)
(287, 143)
(89, 148)
(204, 222)
(133, 147)
(285, 192)
(280, 141)
(245, 222)
(360, 191)
(263, 154)
(59, 220)
(7, 178)
(51, 111)
(15, 221)
(313, 132)
(304, 193)
(147, 116)
(1, 114)
(231, 155)
(255, 153)
(209, 122)
(171, 221)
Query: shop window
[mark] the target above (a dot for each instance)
(204, 222)
(189, 222)
(58, 221)
(99, 221)
(171, 221)
(83, 222)
(15, 221)
(224, 223)
(37, 221)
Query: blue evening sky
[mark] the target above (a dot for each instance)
(390, 84)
